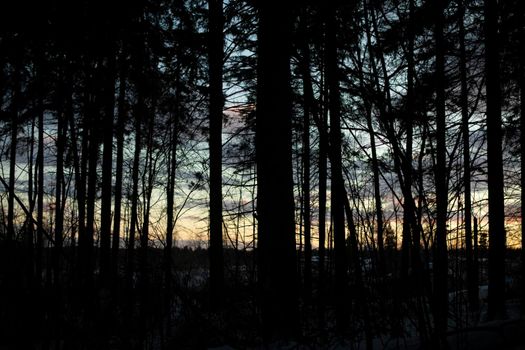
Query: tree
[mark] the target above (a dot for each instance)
(119, 136)
(375, 163)
(64, 96)
(337, 184)
(14, 112)
(521, 83)
(275, 205)
(497, 235)
(107, 164)
(409, 243)
(215, 57)
(273, 99)
(440, 257)
(40, 182)
(472, 274)
(307, 110)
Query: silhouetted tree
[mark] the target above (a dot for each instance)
(336, 171)
(472, 274)
(215, 57)
(275, 205)
(441, 259)
(111, 121)
(497, 235)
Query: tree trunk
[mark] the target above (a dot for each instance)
(12, 160)
(306, 199)
(31, 200)
(375, 163)
(139, 114)
(79, 169)
(107, 169)
(40, 194)
(440, 252)
(40, 190)
(215, 61)
(144, 270)
(320, 117)
(358, 271)
(134, 193)
(497, 235)
(308, 101)
(170, 201)
(275, 203)
(410, 238)
(337, 186)
(93, 143)
(521, 83)
(59, 183)
(170, 207)
(472, 280)
(476, 250)
(119, 135)
(522, 143)
(323, 174)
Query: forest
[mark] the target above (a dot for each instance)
(262, 174)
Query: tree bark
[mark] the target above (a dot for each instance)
(92, 119)
(40, 192)
(358, 271)
(472, 278)
(134, 193)
(30, 265)
(148, 178)
(307, 110)
(215, 61)
(497, 235)
(522, 143)
(170, 207)
(320, 121)
(375, 163)
(62, 116)
(170, 202)
(409, 237)
(12, 158)
(275, 203)
(440, 252)
(119, 135)
(337, 185)
(107, 168)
